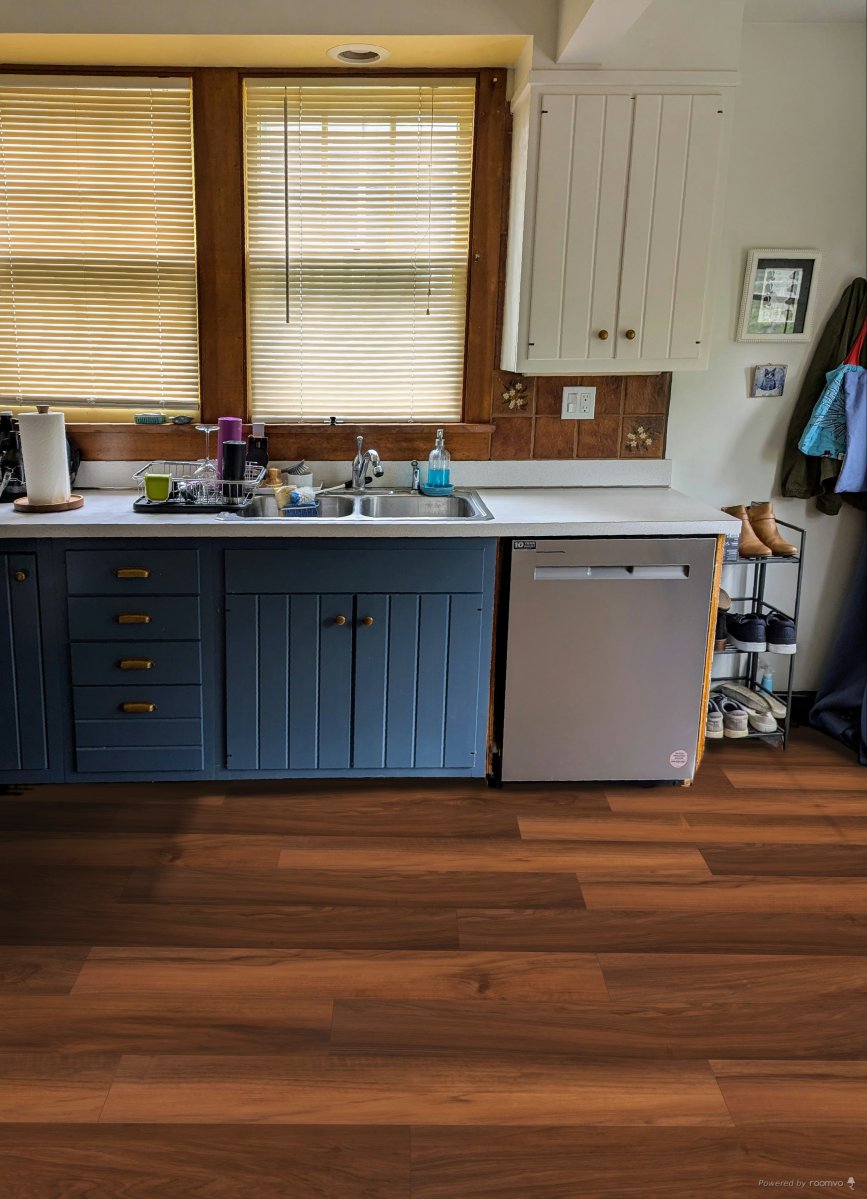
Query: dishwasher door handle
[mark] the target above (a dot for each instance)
(575, 574)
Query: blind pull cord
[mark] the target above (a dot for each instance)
(286, 201)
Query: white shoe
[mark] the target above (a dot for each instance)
(735, 717)
(756, 701)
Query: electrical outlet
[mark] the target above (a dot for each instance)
(579, 403)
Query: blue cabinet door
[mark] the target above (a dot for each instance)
(23, 739)
(288, 682)
(417, 682)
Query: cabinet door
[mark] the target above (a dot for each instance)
(288, 682)
(666, 241)
(580, 205)
(23, 741)
(417, 666)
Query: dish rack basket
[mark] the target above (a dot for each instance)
(190, 491)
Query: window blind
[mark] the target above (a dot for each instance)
(358, 214)
(97, 243)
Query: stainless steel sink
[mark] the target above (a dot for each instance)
(413, 506)
(333, 505)
(378, 504)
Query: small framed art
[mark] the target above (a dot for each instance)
(779, 295)
(769, 380)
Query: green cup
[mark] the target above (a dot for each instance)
(157, 487)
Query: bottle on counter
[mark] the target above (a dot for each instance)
(439, 463)
(257, 445)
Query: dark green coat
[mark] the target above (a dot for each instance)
(804, 476)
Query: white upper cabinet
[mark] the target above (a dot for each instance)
(612, 218)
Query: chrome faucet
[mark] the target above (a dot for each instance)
(360, 464)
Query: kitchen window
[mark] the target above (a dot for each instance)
(97, 244)
(358, 204)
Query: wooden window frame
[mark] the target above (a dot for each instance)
(220, 256)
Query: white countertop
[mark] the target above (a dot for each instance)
(517, 512)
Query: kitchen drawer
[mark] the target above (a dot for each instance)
(162, 618)
(145, 663)
(135, 570)
(106, 703)
(147, 760)
(137, 732)
(338, 568)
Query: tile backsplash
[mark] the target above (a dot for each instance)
(629, 421)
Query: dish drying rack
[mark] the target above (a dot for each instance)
(192, 490)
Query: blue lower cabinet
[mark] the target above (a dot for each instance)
(23, 716)
(360, 683)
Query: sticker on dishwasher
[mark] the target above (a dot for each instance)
(523, 545)
(679, 758)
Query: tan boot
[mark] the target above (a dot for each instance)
(765, 527)
(749, 545)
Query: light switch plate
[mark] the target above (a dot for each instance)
(579, 403)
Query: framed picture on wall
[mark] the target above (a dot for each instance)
(779, 295)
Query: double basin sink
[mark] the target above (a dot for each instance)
(379, 504)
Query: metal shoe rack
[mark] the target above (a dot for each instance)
(756, 602)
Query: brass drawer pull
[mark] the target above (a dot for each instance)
(136, 707)
(132, 572)
(340, 620)
(368, 620)
(132, 618)
(135, 664)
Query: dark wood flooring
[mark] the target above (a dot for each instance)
(438, 991)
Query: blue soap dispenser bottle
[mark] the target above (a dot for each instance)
(439, 463)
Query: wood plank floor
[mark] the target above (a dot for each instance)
(433, 990)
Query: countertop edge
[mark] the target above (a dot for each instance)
(109, 515)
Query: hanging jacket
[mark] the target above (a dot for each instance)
(803, 476)
(853, 473)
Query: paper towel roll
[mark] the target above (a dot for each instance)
(46, 467)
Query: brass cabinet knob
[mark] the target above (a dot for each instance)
(132, 572)
(21, 576)
(340, 620)
(135, 664)
(132, 618)
(138, 707)
(629, 335)
(602, 334)
(368, 620)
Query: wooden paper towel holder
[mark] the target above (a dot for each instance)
(23, 504)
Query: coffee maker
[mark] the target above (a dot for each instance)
(13, 483)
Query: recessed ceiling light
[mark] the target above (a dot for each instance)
(358, 54)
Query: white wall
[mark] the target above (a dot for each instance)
(796, 178)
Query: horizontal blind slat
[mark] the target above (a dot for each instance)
(372, 184)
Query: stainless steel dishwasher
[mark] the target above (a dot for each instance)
(605, 658)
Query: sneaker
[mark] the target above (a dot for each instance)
(781, 634)
(724, 603)
(748, 631)
(735, 717)
(756, 701)
(762, 722)
(713, 728)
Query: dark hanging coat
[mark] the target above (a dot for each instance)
(804, 476)
(841, 701)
